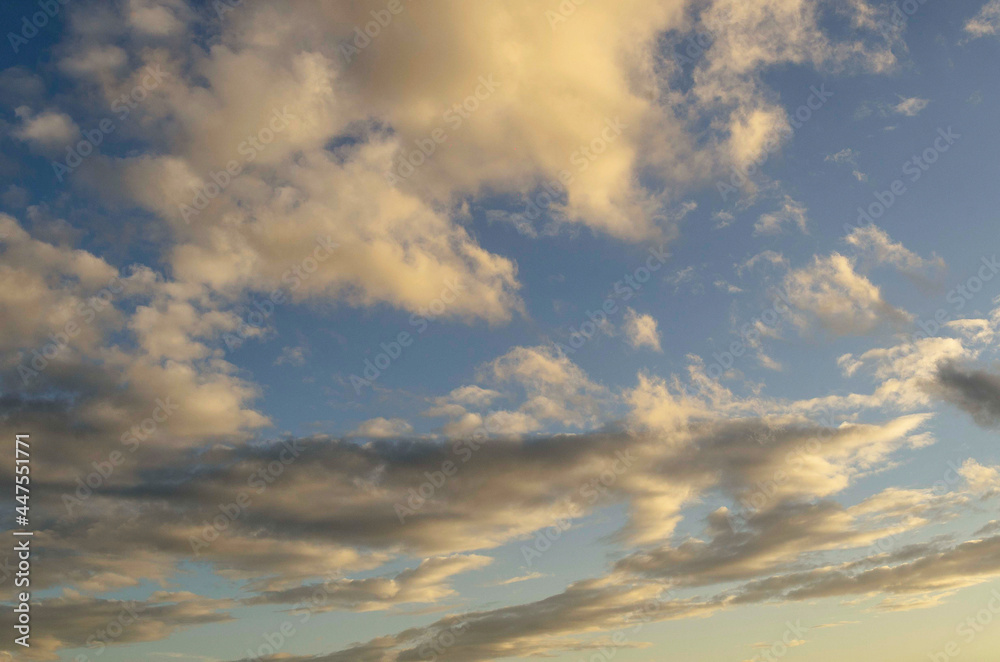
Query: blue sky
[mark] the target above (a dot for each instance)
(758, 344)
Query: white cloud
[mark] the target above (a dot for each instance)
(831, 293)
(986, 23)
(382, 428)
(790, 213)
(641, 331)
(48, 131)
(875, 246)
(295, 356)
(911, 106)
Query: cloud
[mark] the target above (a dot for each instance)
(555, 624)
(986, 23)
(976, 392)
(554, 388)
(640, 331)
(159, 18)
(790, 213)
(295, 356)
(832, 294)
(326, 212)
(521, 578)
(875, 247)
(95, 62)
(48, 131)
(381, 428)
(427, 583)
(75, 621)
(965, 564)
(769, 539)
(848, 156)
(771, 257)
(911, 106)
(401, 242)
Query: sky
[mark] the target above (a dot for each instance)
(408, 330)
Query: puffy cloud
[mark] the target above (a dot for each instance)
(910, 106)
(48, 131)
(790, 213)
(292, 356)
(95, 62)
(555, 388)
(640, 330)
(44, 288)
(771, 257)
(322, 210)
(980, 479)
(159, 18)
(875, 247)
(986, 23)
(592, 98)
(381, 428)
(832, 294)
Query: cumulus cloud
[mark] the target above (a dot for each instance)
(980, 479)
(790, 213)
(910, 106)
(875, 247)
(379, 428)
(986, 23)
(295, 356)
(641, 330)
(49, 131)
(554, 388)
(309, 148)
(830, 293)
